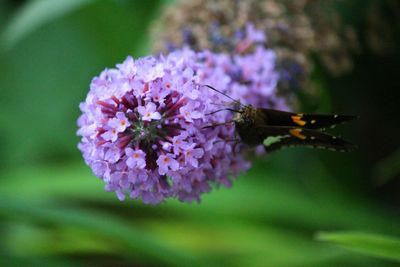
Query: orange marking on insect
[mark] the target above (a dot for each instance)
(297, 133)
(298, 120)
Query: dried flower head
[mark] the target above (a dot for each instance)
(143, 123)
(296, 30)
(382, 21)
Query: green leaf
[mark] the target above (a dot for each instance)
(375, 245)
(264, 193)
(35, 14)
(129, 235)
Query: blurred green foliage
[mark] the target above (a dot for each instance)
(54, 212)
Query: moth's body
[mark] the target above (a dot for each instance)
(246, 122)
(254, 125)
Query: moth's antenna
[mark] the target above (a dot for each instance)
(222, 93)
(218, 124)
(229, 109)
(220, 104)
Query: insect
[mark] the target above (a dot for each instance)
(255, 125)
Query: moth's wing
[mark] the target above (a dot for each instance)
(339, 145)
(295, 136)
(308, 121)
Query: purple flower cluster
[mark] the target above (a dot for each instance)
(253, 78)
(143, 123)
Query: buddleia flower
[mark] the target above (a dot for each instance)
(144, 124)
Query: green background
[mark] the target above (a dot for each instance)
(297, 207)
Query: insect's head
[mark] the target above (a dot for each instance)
(245, 116)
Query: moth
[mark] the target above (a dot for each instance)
(256, 125)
